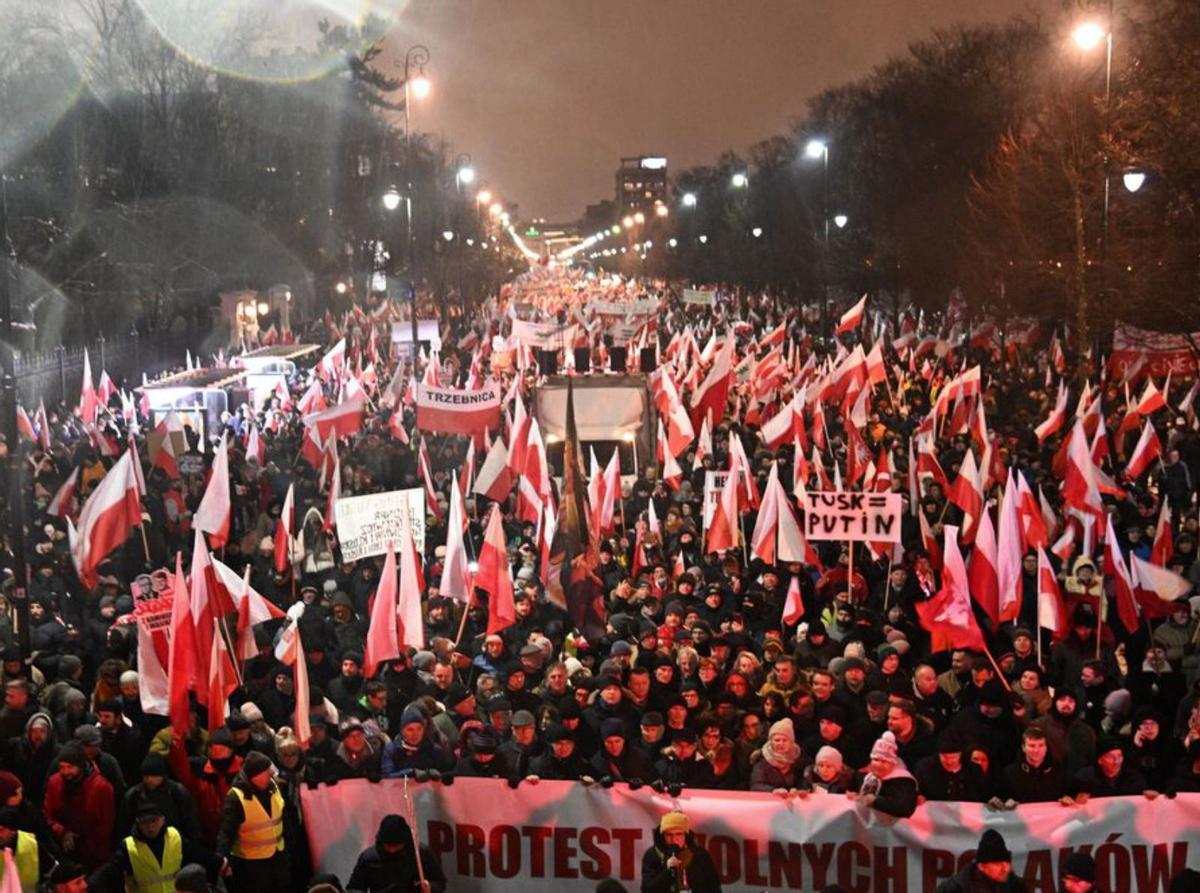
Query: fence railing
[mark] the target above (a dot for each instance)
(56, 375)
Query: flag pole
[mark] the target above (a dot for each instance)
(887, 589)
(996, 666)
(412, 827)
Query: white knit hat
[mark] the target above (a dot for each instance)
(783, 727)
(885, 748)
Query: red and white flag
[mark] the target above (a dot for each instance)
(982, 570)
(1058, 415)
(852, 317)
(1148, 448)
(1163, 546)
(456, 574)
(165, 457)
(290, 650)
(1052, 612)
(709, 400)
(335, 492)
(215, 511)
(112, 509)
(343, 419)
(1081, 487)
(334, 360)
(1163, 582)
(252, 606)
(495, 575)
(1009, 554)
(63, 503)
(967, 494)
(411, 632)
(181, 662)
(793, 606)
(383, 634)
(495, 478)
(1116, 569)
(283, 532)
(254, 447)
(89, 404)
(947, 615)
(777, 533)
(723, 530)
(222, 681)
(1151, 400)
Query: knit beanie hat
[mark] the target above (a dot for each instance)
(885, 748)
(1080, 866)
(832, 754)
(393, 829)
(154, 764)
(783, 727)
(992, 848)
(411, 714)
(9, 785)
(72, 753)
(255, 763)
(673, 821)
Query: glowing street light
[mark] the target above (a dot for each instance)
(840, 220)
(661, 210)
(739, 180)
(627, 222)
(1133, 180)
(703, 239)
(672, 242)
(466, 175)
(448, 235)
(756, 232)
(815, 149)
(689, 199)
(421, 86)
(639, 218)
(1088, 35)
(484, 197)
(496, 209)
(615, 229)
(391, 199)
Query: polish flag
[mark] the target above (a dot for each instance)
(967, 494)
(1117, 569)
(611, 493)
(283, 532)
(154, 688)
(24, 425)
(1009, 553)
(876, 369)
(332, 363)
(456, 574)
(1151, 400)
(383, 636)
(181, 663)
(43, 424)
(312, 450)
(215, 511)
(1164, 583)
(468, 478)
(89, 404)
(313, 399)
(495, 576)
(704, 445)
(412, 584)
(63, 503)
(929, 542)
(1034, 531)
(104, 522)
(495, 479)
(290, 650)
(427, 481)
(777, 522)
(252, 607)
(254, 447)
(106, 388)
(165, 457)
(947, 615)
(222, 681)
(852, 317)
(1052, 612)
(1081, 488)
(800, 470)
(982, 572)
(1164, 541)
(1148, 448)
(334, 494)
(522, 424)
(709, 400)
(775, 336)
(793, 606)
(343, 419)
(1058, 415)
(723, 529)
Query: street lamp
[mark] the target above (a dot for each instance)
(639, 218)
(484, 197)
(627, 222)
(1087, 36)
(756, 232)
(689, 199)
(466, 175)
(1133, 180)
(818, 149)
(739, 180)
(840, 220)
(416, 86)
(661, 210)
(448, 235)
(391, 199)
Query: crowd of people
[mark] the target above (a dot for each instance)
(697, 681)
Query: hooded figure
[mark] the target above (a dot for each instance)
(676, 862)
(989, 872)
(30, 756)
(389, 865)
(616, 760)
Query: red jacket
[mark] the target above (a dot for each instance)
(88, 809)
(208, 787)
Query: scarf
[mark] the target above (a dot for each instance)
(781, 760)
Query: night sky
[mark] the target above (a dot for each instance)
(546, 95)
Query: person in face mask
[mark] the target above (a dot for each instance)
(391, 865)
(80, 808)
(207, 780)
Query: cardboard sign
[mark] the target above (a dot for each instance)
(704, 296)
(873, 517)
(714, 483)
(366, 524)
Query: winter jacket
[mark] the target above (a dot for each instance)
(1025, 784)
(971, 881)
(207, 784)
(698, 873)
(376, 871)
(87, 809)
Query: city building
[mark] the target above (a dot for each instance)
(641, 183)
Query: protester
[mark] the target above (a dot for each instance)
(676, 863)
(990, 870)
(250, 836)
(390, 865)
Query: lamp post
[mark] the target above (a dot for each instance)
(416, 85)
(1087, 37)
(464, 176)
(8, 426)
(819, 149)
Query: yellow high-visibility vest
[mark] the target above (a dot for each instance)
(150, 875)
(26, 855)
(261, 835)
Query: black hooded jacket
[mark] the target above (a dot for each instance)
(700, 873)
(377, 871)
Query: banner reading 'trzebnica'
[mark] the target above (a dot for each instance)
(451, 411)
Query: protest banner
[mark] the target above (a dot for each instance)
(451, 411)
(1157, 353)
(642, 307)
(851, 516)
(544, 335)
(366, 524)
(704, 296)
(561, 836)
(427, 330)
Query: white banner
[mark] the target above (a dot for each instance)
(608, 412)
(560, 836)
(427, 330)
(852, 516)
(706, 296)
(453, 411)
(545, 335)
(643, 307)
(714, 483)
(366, 524)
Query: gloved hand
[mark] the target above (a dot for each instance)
(434, 775)
(675, 789)
(514, 782)
(658, 787)
(606, 781)
(420, 775)
(447, 778)
(635, 783)
(587, 781)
